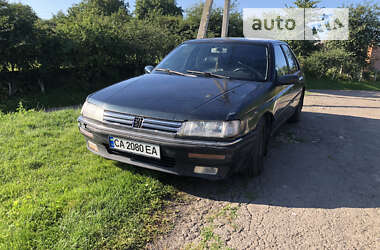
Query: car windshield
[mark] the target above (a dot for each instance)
(230, 60)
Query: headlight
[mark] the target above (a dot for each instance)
(92, 111)
(215, 129)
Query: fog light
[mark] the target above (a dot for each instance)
(205, 170)
(93, 146)
(207, 156)
(86, 133)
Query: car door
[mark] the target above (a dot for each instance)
(295, 90)
(282, 91)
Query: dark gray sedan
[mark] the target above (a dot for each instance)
(207, 110)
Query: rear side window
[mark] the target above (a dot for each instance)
(293, 67)
(280, 61)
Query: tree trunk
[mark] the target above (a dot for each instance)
(226, 18)
(11, 89)
(205, 18)
(42, 86)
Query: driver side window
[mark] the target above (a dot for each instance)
(280, 61)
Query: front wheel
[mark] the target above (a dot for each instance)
(255, 163)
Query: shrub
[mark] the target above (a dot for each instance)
(330, 63)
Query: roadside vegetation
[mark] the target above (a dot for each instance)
(342, 85)
(54, 193)
(103, 42)
(64, 96)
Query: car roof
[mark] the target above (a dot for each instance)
(237, 40)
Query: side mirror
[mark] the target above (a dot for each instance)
(148, 69)
(287, 79)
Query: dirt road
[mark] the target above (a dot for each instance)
(320, 187)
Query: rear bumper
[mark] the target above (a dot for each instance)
(174, 151)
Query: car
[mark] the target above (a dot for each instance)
(206, 110)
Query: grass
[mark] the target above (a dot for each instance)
(55, 194)
(342, 85)
(58, 97)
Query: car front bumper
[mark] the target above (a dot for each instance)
(178, 156)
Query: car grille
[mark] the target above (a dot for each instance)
(147, 123)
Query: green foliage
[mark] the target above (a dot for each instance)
(346, 59)
(303, 48)
(55, 194)
(62, 95)
(364, 31)
(101, 40)
(101, 7)
(305, 3)
(20, 108)
(150, 8)
(101, 43)
(17, 36)
(94, 41)
(329, 63)
(342, 84)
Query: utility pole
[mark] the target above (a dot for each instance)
(205, 18)
(226, 18)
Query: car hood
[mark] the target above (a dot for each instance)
(174, 97)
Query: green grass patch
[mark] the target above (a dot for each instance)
(56, 194)
(342, 85)
(58, 97)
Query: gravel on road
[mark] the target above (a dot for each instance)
(320, 187)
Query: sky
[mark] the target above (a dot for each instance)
(46, 8)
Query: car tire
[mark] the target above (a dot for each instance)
(255, 162)
(297, 113)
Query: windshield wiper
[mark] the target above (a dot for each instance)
(169, 71)
(208, 74)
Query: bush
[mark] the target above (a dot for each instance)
(330, 64)
(115, 45)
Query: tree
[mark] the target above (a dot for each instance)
(303, 47)
(364, 31)
(115, 45)
(304, 3)
(150, 8)
(16, 35)
(49, 52)
(102, 7)
(235, 26)
(16, 41)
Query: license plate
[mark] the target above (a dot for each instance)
(134, 147)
